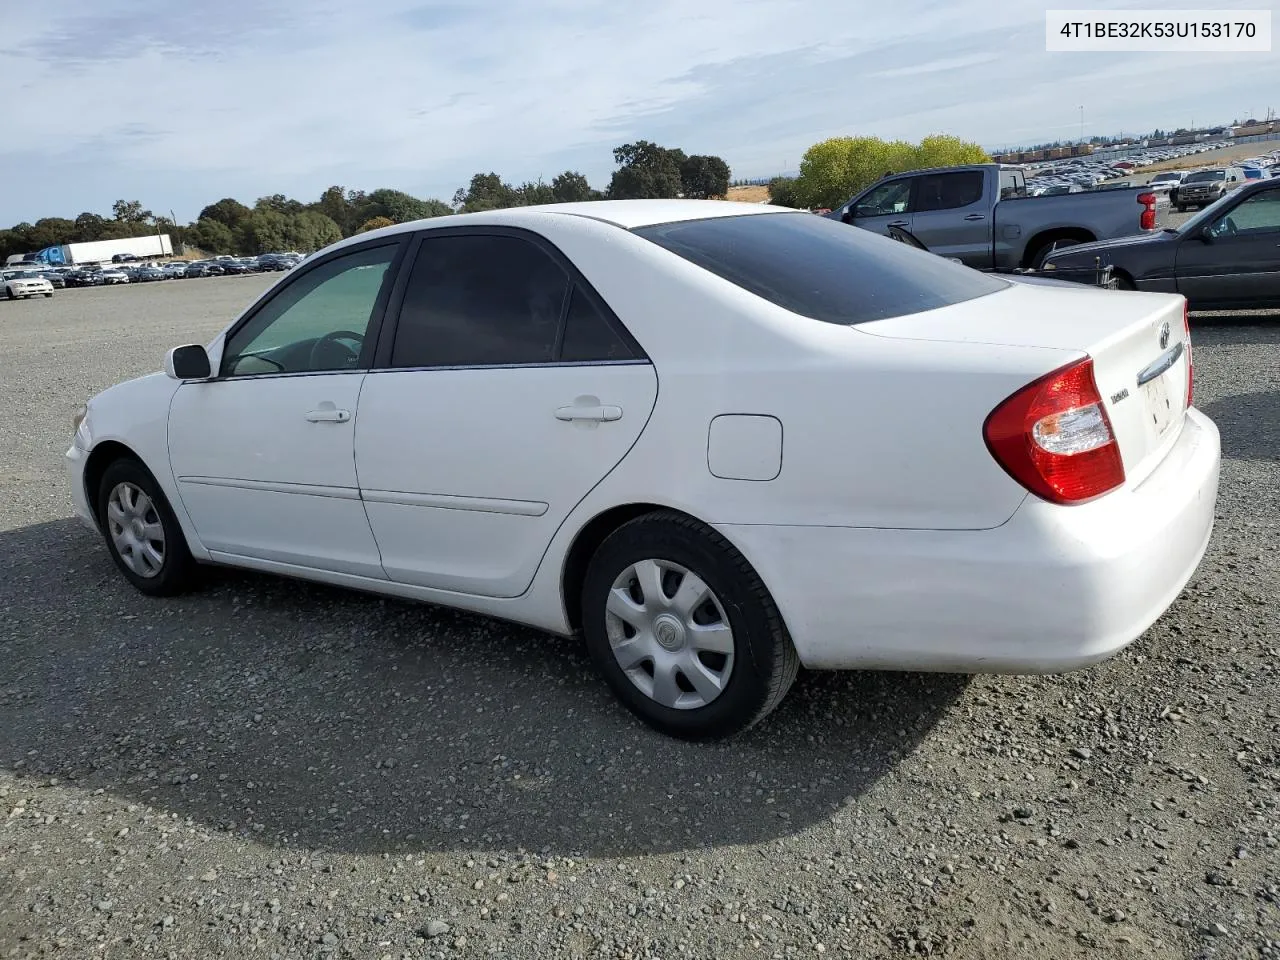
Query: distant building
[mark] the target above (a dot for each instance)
(1048, 153)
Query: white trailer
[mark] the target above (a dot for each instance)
(101, 251)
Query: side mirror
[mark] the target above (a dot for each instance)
(187, 363)
(846, 215)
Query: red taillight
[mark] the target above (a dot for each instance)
(1191, 367)
(1147, 219)
(1054, 437)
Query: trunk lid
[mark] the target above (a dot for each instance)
(1137, 341)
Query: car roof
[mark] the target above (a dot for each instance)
(627, 214)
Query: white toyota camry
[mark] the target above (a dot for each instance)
(719, 440)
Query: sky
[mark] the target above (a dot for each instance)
(178, 105)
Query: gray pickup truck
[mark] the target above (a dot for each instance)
(982, 216)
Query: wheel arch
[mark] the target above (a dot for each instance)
(585, 543)
(573, 571)
(102, 456)
(1031, 252)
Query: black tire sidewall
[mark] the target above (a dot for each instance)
(175, 572)
(749, 618)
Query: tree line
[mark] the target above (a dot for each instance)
(834, 170)
(276, 222)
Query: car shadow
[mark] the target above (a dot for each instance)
(1249, 424)
(302, 715)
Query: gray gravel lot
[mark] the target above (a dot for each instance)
(271, 769)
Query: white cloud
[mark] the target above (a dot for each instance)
(179, 105)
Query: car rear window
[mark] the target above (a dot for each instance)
(821, 268)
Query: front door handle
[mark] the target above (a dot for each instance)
(598, 412)
(976, 216)
(328, 414)
(899, 223)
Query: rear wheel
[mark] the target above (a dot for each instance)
(1053, 246)
(683, 630)
(143, 535)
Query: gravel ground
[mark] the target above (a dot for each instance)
(272, 769)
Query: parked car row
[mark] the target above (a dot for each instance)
(121, 272)
(1094, 171)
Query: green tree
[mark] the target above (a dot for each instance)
(262, 231)
(89, 227)
(335, 205)
(532, 194)
(782, 191)
(485, 192)
(571, 187)
(48, 232)
(703, 177)
(11, 242)
(130, 211)
(646, 170)
(311, 230)
(834, 170)
(227, 211)
(376, 223)
(278, 203)
(212, 236)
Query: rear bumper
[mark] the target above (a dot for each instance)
(1053, 589)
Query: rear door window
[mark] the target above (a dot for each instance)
(820, 268)
(948, 191)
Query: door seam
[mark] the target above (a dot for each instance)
(355, 466)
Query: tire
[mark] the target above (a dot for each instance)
(740, 685)
(47, 295)
(1052, 246)
(1182, 207)
(1125, 282)
(176, 571)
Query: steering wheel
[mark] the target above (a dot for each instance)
(341, 355)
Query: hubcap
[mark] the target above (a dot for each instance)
(669, 634)
(135, 529)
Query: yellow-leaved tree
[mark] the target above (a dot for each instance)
(834, 170)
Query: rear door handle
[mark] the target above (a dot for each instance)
(328, 415)
(598, 412)
(976, 216)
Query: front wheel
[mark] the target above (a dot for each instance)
(683, 630)
(143, 536)
(47, 295)
(1182, 207)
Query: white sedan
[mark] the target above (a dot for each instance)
(719, 440)
(15, 286)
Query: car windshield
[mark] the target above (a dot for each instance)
(1165, 176)
(1203, 176)
(820, 268)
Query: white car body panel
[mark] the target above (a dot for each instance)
(889, 537)
(259, 479)
(478, 519)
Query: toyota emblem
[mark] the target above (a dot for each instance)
(1164, 335)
